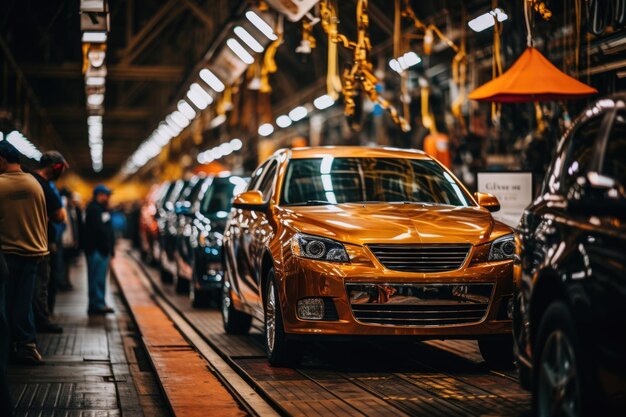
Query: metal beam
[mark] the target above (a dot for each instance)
(148, 33)
(164, 73)
(148, 27)
(200, 14)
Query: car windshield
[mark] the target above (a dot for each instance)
(332, 180)
(218, 198)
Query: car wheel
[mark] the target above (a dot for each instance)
(497, 351)
(235, 322)
(559, 363)
(166, 276)
(181, 285)
(280, 352)
(200, 299)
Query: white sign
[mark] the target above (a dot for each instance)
(514, 191)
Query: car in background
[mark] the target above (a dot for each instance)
(148, 228)
(366, 242)
(570, 299)
(176, 208)
(151, 210)
(199, 254)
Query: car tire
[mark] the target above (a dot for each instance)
(166, 276)
(181, 285)
(497, 351)
(200, 299)
(280, 351)
(561, 366)
(235, 322)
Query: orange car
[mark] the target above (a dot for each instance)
(352, 241)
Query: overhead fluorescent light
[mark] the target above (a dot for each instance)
(323, 102)
(23, 145)
(248, 39)
(261, 25)
(95, 99)
(94, 37)
(404, 62)
(95, 81)
(199, 97)
(91, 120)
(173, 125)
(180, 119)
(186, 109)
(212, 80)
(236, 144)
(298, 113)
(240, 51)
(485, 21)
(96, 57)
(283, 121)
(266, 129)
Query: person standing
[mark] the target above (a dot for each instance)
(6, 404)
(99, 247)
(23, 243)
(51, 166)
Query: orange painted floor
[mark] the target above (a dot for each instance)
(190, 387)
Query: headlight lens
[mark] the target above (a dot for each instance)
(314, 247)
(502, 248)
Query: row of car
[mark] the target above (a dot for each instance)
(181, 231)
(331, 243)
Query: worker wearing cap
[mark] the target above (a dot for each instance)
(51, 166)
(99, 246)
(23, 244)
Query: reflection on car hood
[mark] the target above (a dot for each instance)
(391, 223)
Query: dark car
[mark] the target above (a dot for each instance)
(570, 302)
(168, 227)
(148, 227)
(199, 255)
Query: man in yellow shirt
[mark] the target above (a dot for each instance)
(23, 242)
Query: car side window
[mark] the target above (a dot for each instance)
(267, 184)
(614, 165)
(256, 176)
(580, 152)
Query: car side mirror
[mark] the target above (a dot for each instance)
(488, 201)
(250, 200)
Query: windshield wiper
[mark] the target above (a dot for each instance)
(311, 203)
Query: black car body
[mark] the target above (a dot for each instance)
(570, 303)
(168, 227)
(199, 253)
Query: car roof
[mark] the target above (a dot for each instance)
(352, 151)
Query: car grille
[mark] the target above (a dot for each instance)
(421, 258)
(419, 304)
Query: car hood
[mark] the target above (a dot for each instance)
(392, 223)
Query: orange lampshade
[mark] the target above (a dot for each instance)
(532, 78)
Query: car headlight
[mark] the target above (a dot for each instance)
(502, 248)
(314, 247)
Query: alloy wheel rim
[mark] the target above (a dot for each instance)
(559, 388)
(270, 317)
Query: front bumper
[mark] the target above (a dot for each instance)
(303, 278)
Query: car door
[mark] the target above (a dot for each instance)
(259, 234)
(237, 240)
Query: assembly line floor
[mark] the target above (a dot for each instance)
(438, 378)
(160, 357)
(96, 367)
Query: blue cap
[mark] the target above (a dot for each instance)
(101, 189)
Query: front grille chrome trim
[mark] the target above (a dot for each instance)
(421, 258)
(419, 305)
